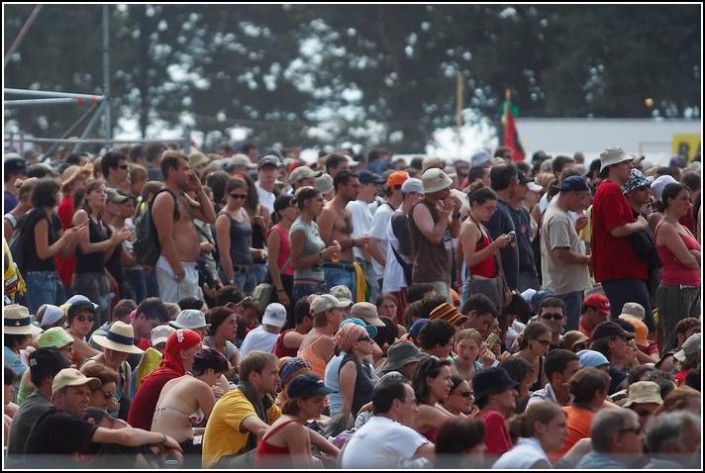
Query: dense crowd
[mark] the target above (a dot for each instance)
(251, 310)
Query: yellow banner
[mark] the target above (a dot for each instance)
(687, 145)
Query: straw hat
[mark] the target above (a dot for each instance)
(72, 172)
(120, 337)
(17, 321)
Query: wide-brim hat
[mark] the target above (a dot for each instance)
(399, 355)
(17, 321)
(72, 172)
(368, 313)
(612, 156)
(643, 392)
(492, 381)
(191, 319)
(120, 337)
(435, 180)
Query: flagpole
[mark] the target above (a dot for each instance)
(459, 111)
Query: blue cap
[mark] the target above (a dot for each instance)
(371, 329)
(307, 385)
(592, 359)
(367, 177)
(416, 327)
(573, 184)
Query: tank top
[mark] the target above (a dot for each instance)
(265, 450)
(485, 268)
(364, 382)
(284, 250)
(280, 350)
(318, 365)
(674, 273)
(430, 260)
(240, 234)
(32, 260)
(93, 262)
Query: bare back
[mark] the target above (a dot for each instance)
(179, 400)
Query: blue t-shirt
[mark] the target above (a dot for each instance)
(501, 223)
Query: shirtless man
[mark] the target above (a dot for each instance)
(335, 224)
(180, 247)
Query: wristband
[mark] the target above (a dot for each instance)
(164, 439)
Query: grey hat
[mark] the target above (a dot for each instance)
(400, 354)
(191, 319)
(412, 185)
(689, 347)
(435, 180)
(324, 183)
(241, 160)
(612, 156)
(301, 173)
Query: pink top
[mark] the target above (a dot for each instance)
(284, 250)
(674, 273)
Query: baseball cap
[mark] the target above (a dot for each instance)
(241, 160)
(643, 392)
(14, 163)
(160, 334)
(52, 314)
(342, 293)
(610, 329)
(371, 329)
(480, 157)
(326, 302)
(367, 312)
(115, 197)
(659, 184)
(367, 177)
(269, 160)
(303, 172)
(274, 314)
(197, 158)
(412, 185)
(55, 337)
(572, 184)
(46, 362)
(529, 182)
(72, 377)
(689, 347)
(307, 385)
(324, 183)
(397, 178)
(597, 301)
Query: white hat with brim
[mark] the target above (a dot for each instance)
(73, 377)
(612, 156)
(689, 347)
(435, 180)
(120, 337)
(17, 321)
(326, 302)
(190, 319)
(160, 334)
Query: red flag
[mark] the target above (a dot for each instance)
(511, 136)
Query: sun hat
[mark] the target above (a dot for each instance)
(72, 377)
(191, 319)
(17, 321)
(435, 180)
(400, 354)
(612, 156)
(55, 337)
(643, 392)
(367, 312)
(120, 337)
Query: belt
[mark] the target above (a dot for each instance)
(241, 269)
(339, 264)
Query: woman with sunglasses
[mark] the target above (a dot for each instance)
(307, 248)
(280, 269)
(477, 249)
(102, 397)
(80, 318)
(432, 384)
(356, 376)
(460, 400)
(533, 347)
(234, 235)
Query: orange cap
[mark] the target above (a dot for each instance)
(397, 178)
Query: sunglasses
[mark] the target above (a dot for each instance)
(554, 316)
(238, 196)
(464, 393)
(364, 339)
(84, 318)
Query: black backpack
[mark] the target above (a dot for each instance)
(146, 247)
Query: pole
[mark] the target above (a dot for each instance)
(459, 83)
(106, 71)
(73, 127)
(187, 140)
(89, 127)
(32, 102)
(23, 32)
(52, 94)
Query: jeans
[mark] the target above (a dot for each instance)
(621, 291)
(259, 272)
(338, 274)
(573, 305)
(136, 280)
(304, 290)
(150, 279)
(674, 304)
(42, 288)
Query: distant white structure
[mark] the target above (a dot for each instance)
(653, 138)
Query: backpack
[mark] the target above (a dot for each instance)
(146, 247)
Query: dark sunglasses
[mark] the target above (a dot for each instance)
(238, 196)
(554, 316)
(464, 393)
(84, 318)
(364, 339)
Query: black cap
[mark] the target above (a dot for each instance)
(367, 177)
(269, 160)
(610, 329)
(78, 306)
(14, 163)
(47, 362)
(492, 381)
(573, 184)
(307, 385)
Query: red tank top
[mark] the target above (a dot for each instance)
(280, 350)
(486, 268)
(265, 450)
(674, 273)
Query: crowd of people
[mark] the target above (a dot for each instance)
(246, 309)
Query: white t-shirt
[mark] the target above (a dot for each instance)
(258, 339)
(380, 223)
(383, 443)
(394, 279)
(266, 198)
(361, 221)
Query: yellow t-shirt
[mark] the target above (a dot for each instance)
(224, 433)
(12, 278)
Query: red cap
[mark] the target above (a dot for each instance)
(598, 301)
(396, 178)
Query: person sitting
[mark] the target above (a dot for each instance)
(431, 384)
(460, 400)
(495, 395)
(617, 439)
(289, 441)
(265, 336)
(460, 444)
(560, 366)
(673, 439)
(542, 429)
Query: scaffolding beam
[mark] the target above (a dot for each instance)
(33, 102)
(52, 94)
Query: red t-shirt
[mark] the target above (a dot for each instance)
(496, 434)
(613, 258)
(65, 266)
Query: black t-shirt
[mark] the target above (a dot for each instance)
(56, 437)
(500, 223)
(27, 224)
(92, 262)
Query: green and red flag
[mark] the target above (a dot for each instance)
(510, 136)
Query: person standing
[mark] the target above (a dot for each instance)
(173, 214)
(612, 223)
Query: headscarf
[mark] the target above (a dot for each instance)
(289, 370)
(347, 335)
(181, 339)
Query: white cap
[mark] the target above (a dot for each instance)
(659, 184)
(275, 315)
